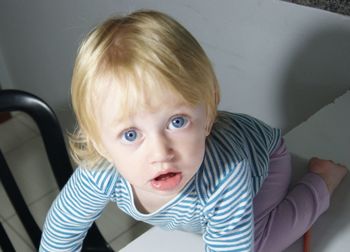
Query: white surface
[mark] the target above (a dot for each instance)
(5, 79)
(158, 240)
(270, 56)
(326, 134)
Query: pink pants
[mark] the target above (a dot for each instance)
(282, 216)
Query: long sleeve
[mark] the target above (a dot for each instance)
(236, 164)
(72, 213)
(230, 214)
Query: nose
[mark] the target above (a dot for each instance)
(160, 150)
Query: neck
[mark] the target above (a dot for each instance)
(147, 202)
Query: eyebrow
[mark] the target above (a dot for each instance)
(116, 121)
(119, 126)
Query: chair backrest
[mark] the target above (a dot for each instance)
(50, 130)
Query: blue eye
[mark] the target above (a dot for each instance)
(130, 135)
(178, 122)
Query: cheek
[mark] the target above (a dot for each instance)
(121, 160)
(129, 169)
(194, 157)
(193, 146)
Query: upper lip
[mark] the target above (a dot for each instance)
(166, 171)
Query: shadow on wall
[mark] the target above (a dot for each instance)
(318, 73)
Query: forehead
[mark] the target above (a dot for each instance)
(119, 105)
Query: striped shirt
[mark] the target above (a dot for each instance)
(216, 202)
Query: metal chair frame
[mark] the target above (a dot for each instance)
(50, 130)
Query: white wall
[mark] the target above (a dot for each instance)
(5, 78)
(278, 61)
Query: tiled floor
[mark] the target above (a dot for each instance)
(24, 151)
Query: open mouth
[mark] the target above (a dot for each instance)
(167, 181)
(165, 176)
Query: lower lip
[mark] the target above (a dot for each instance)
(167, 184)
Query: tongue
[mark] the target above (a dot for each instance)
(167, 182)
(165, 176)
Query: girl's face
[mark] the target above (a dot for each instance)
(157, 151)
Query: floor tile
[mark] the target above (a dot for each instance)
(124, 239)
(40, 208)
(31, 169)
(19, 238)
(25, 119)
(13, 133)
(6, 209)
(113, 222)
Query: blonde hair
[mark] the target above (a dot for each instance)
(142, 53)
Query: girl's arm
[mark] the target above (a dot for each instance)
(77, 206)
(230, 218)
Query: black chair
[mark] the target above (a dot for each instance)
(46, 120)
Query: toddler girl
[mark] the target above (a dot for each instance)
(151, 140)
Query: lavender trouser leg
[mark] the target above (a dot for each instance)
(282, 216)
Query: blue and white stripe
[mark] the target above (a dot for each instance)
(216, 203)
